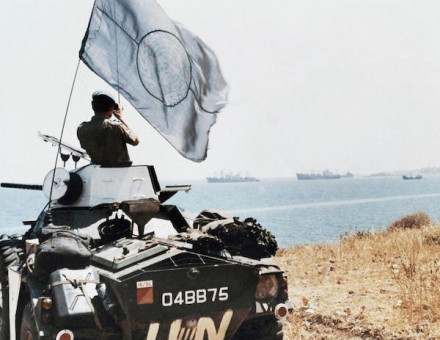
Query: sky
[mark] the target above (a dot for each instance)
(345, 85)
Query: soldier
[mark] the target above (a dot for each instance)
(106, 140)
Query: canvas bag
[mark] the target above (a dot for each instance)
(62, 249)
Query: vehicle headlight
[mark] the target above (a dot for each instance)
(267, 287)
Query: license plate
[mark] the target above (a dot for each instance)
(198, 296)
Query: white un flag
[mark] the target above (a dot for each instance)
(167, 73)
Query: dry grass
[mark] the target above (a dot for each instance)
(378, 285)
(412, 221)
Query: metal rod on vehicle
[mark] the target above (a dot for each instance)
(62, 132)
(22, 186)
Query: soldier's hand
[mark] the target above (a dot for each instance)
(118, 110)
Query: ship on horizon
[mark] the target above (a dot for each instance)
(326, 174)
(406, 177)
(231, 178)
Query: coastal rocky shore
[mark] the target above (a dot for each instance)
(369, 285)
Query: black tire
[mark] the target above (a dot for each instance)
(28, 329)
(260, 328)
(11, 253)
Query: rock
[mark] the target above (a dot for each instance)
(360, 316)
(339, 313)
(305, 301)
(309, 311)
(422, 328)
(358, 330)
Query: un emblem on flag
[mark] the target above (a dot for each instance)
(164, 67)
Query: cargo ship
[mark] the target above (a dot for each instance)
(326, 174)
(405, 177)
(231, 178)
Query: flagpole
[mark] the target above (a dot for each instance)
(117, 54)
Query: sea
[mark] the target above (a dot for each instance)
(296, 212)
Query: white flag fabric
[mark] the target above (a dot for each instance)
(166, 72)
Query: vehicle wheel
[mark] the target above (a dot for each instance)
(11, 253)
(262, 328)
(28, 329)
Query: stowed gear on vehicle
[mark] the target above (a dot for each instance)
(109, 260)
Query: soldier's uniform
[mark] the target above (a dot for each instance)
(106, 141)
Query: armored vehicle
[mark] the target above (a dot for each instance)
(108, 259)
